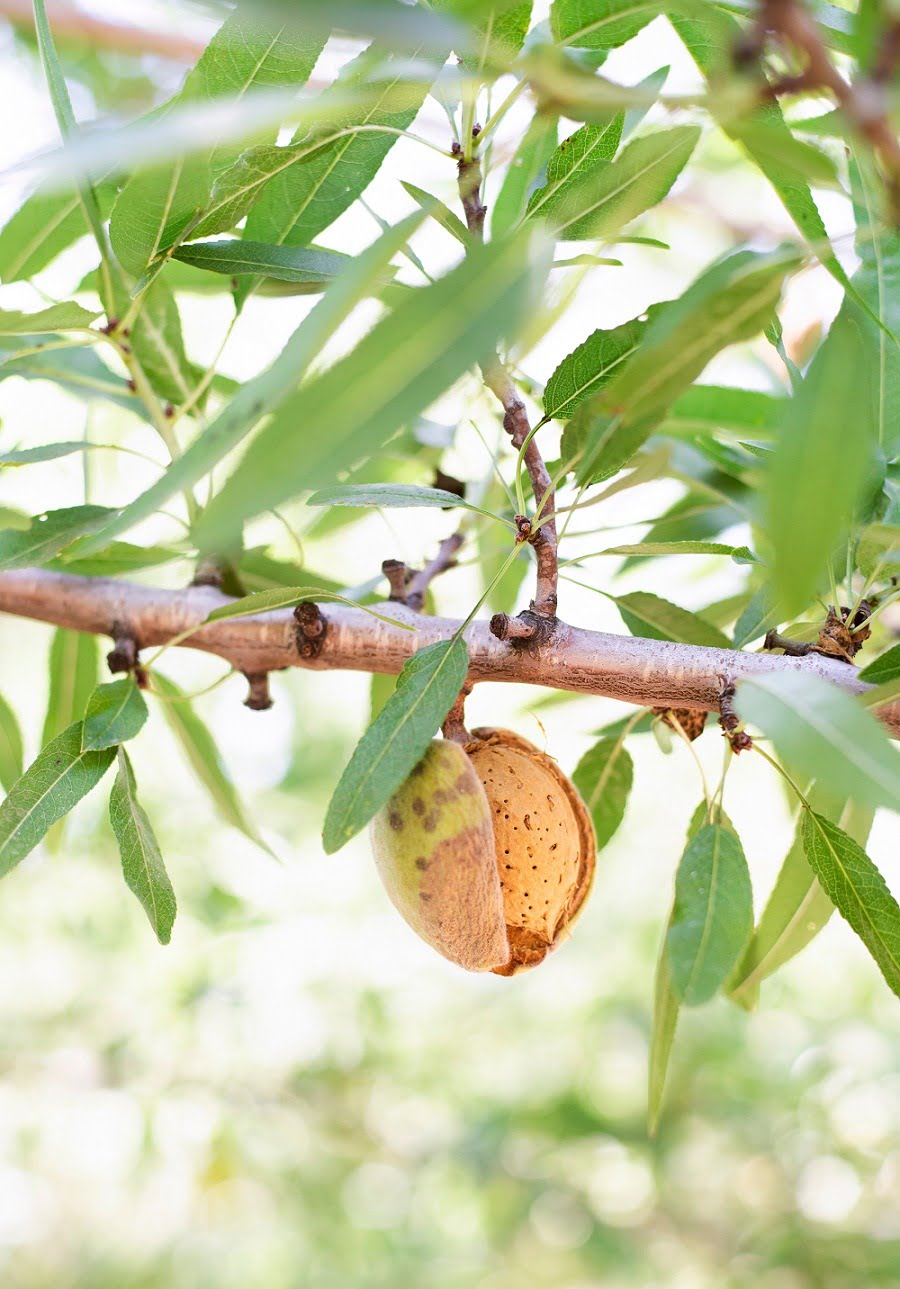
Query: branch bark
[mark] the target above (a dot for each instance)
(72, 24)
(650, 673)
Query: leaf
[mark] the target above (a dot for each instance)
(740, 554)
(600, 24)
(114, 560)
(11, 751)
(712, 916)
(796, 910)
(115, 713)
(600, 204)
(267, 391)
(48, 452)
(439, 211)
(48, 534)
(142, 861)
(825, 733)
(286, 263)
(78, 370)
(284, 597)
(199, 747)
(299, 201)
(819, 469)
(396, 740)
(725, 410)
(393, 496)
(495, 35)
(583, 156)
(590, 367)
(396, 371)
(604, 776)
(649, 615)
(247, 53)
(759, 617)
(729, 302)
(58, 317)
(62, 774)
(158, 345)
(666, 1008)
(858, 891)
(883, 669)
(45, 225)
(525, 173)
(74, 663)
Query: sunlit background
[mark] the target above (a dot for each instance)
(297, 1092)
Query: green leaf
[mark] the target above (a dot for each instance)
(825, 733)
(600, 24)
(58, 317)
(599, 204)
(396, 740)
(45, 225)
(142, 861)
(115, 713)
(712, 916)
(495, 35)
(267, 391)
(730, 302)
(666, 1008)
(74, 663)
(760, 616)
(882, 669)
(858, 891)
(396, 371)
(48, 534)
(11, 752)
(79, 371)
(114, 560)
(158, 345)
(439, 211)
(62, 774)
(604, 776)
(298, 201)
(740, 554)
(649, 615)
(590, 367)
(525, 173)
(725, 410)
(49, 452)
(581, 157)
(796, 910)
(203, 756)
(284, 597)
(393, 496)
(247, 54)
(286, 263)
(819, 470)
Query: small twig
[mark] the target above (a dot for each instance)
(124, 656)
(454, 726)
(731, 723)
(515, 416)
(259, 696)
(793, 648)
(506, 628)
(398, 576)
(445, 559)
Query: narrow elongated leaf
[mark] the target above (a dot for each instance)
(266, 392)
(857, 889)
(396, 740)
(580, 158)
(11, 751)
(439, 211)
(45, 225)
(58, 317)
(601, 24)
(730, 302)
(604, 776)
(158, 344)
(740, 554)
(142, 861)
(645, 614)
(495, 34)
(397, 370)
(391, 495)
(712, 916)
(286, 263)
(885, 668)
(818, 469)
(283, 597)
(115, 713)
(74, 664)
(760, 616)
(599, 204)
(825, 733)
(720, 408)
(48, 534)
(48, 452)
(796, 910)
(526, 172)
(203, 756)
(299, 201)
(590, 367)
(62, 774)
(79, 371)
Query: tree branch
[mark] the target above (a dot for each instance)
(515, 418)
(71, 24)
(650, 673)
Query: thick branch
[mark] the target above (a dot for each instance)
(515, 421)
(651, 673)
(73, 24)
